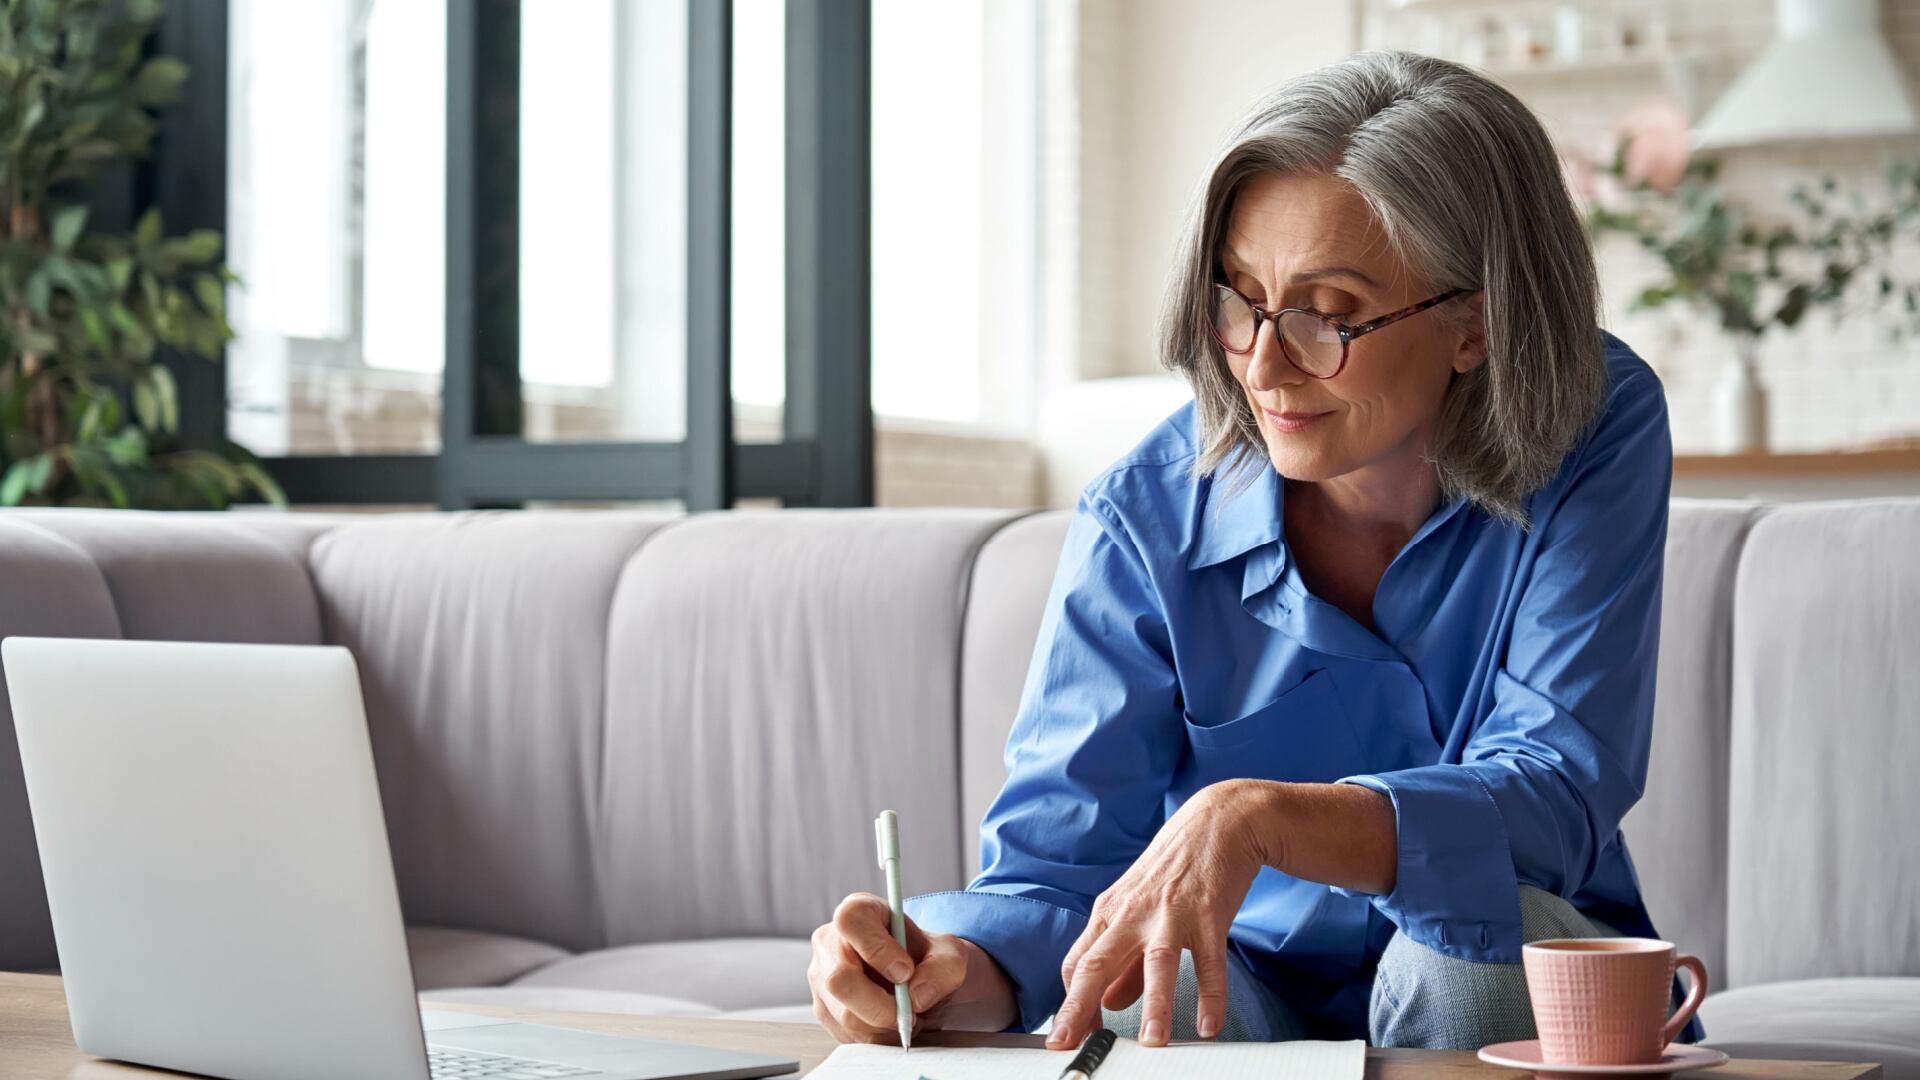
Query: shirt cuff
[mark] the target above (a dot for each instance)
(1028, 938)
(1455, 890)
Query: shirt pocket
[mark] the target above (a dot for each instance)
(1302, 736)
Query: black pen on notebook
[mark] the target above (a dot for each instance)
(1092, 1053)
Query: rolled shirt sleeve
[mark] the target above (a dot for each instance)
(1560, 755)
(1089, 760)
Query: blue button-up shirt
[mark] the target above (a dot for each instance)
(1503, 702)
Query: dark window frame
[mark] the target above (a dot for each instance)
(825, 457)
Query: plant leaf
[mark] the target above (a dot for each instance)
(95, 327)
(123, 320)
(128, 448)
(39, 472)
(115, 490)
(40, 290)
(168, 393)
(146, 405)
(67, 226)
(88, 428)
(212, 297)
(13, 487)
(158, 82)
(147, 233)
(263, 483)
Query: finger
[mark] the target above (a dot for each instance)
(1089, 937)
(1097, 970)
(865, 923)
(825, 1009)
(942, 968)
(827, 1021)
(1161, 968)
(1125, 990)
(850, 985)
(1210, 971)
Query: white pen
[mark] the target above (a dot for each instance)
(886, 835)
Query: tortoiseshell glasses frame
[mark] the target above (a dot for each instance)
(1306, 336)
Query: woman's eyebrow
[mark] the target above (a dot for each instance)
(1230, 262)
(1320, 272)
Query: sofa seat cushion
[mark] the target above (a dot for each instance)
(728, 974)
(1856, 1019)
(568, 999)
(444, 957)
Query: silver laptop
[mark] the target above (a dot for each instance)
(223, 899)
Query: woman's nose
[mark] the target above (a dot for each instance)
(1269, 367)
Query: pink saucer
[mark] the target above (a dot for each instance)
(1678, 1057)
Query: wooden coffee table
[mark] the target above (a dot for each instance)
(35, 1042)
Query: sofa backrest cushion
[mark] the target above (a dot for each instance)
(481, 639)
(774, 680)
(1677, 833)
(199, 577)
(48, 588)
(1010, 584)
(1824, 869)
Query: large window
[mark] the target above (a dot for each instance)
(338, 222)
(335, 221)
(502, 250)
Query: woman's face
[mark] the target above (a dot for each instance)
(1312, 242)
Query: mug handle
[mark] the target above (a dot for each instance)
(1695, 995)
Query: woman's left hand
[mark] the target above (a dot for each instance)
(1181, 893)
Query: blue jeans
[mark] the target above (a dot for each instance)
(1421, 998)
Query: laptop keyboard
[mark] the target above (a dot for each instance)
(467, 1065)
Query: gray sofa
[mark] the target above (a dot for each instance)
(629, 760)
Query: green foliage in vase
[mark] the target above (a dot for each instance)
(89, 416)
(1753, 272)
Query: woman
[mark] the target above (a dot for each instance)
(1346, 677)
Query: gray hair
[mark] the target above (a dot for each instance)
(1469, 193)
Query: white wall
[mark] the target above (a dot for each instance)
(1162, 82)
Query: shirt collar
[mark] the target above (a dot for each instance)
(1235, 521)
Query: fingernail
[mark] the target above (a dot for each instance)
(1209, 1027)
(1154, 1031)
(899, 971)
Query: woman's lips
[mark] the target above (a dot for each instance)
(1289, 422)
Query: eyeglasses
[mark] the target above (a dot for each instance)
(1312, 342)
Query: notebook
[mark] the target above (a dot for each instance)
(1128, 1061)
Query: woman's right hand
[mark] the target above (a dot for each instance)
(953, 982)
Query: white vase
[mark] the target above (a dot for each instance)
(1740, 402)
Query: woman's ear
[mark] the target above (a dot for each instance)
(1471, 323)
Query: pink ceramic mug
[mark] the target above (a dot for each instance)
(1603, 1001)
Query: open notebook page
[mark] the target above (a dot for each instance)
(1128, 1061)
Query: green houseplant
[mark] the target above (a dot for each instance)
(1750, 274)
(1755, 273)
(88, 415)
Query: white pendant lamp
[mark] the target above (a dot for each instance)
(1827, 75)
